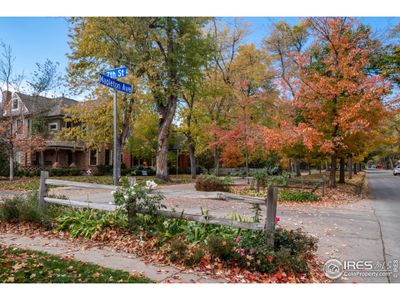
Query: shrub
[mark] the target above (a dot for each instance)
(27, 209)
(290, 252)
(220, 247)
(103, 170)
(85, 222)
(178, 250)
(10, 209)
(65, 172)
(195, 257)
(297, 196)
(139, 198)
(211, 183)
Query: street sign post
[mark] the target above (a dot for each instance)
(108, 80)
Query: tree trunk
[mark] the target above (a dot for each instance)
(309, 169)
(11, 161)
(391, 163)
(350, 166)
(355, 169)
(192, 157)
(166, 117)
(298, 173)
(216, 161)
(332, 175)
(342, 170)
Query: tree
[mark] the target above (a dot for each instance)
(252, 96)
(336, 97)
(45, 78)
(12, 132)
(217, 92)
(161, 51)
(284, 43)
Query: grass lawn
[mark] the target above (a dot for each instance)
(25, 266)
(32, 183)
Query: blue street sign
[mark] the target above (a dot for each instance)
(116, 73)
(114, 84)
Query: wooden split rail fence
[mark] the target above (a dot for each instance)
(270, 202)
(291, 183)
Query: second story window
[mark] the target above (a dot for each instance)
(53, 126)
(15, 104)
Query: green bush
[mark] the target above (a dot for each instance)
(195, 257)
(65, 172)
(85, 222)
(10, 209)
(211, 183)
(103, 170)
(19, 209)
(220, 247)
(290, 251)
(297, 196)
(178, 250)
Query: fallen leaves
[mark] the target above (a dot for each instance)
(149, 251)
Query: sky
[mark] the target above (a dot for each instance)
(34, 39)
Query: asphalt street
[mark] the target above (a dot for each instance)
(384, 191)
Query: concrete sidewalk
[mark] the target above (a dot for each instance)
(106, 257)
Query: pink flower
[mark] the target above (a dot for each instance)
(251, 251)
(277, 219)
(237, 239)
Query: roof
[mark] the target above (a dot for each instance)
(48, 106)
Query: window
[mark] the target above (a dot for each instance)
(19, 157)
(15, 104)
(53, 126)
(68, 125)
(92, 157)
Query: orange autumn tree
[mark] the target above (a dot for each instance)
(252, 96)
(336, 98)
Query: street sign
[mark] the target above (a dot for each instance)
(116, 73)
(115, 84)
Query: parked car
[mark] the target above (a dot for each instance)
(396, 171)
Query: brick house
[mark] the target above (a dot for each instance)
(56, 154)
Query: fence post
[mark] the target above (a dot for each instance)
(270, 221)
(323, 185)
(43, 188)
(131, 181)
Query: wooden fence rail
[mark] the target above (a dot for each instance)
(291, 183)
(270, 203)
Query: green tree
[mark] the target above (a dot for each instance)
(161, 50)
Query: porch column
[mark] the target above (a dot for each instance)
(41, 160)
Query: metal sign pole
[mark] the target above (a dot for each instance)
(115, 164)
